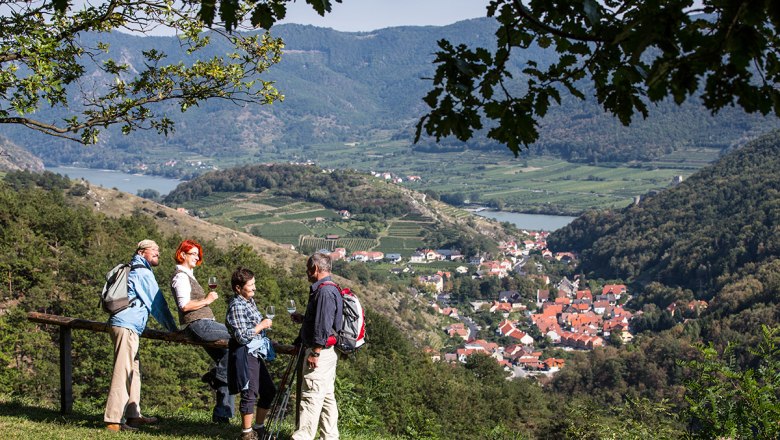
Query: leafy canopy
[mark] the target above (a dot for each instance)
(45, 45)
(626, 53)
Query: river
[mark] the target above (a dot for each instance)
(129, 183)
(533, 222)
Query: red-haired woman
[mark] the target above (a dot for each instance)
(195, 313)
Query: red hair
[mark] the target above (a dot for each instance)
(186, 246)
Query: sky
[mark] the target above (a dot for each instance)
(369, 15)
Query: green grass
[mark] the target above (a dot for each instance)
(276, 202)
(285, 229)
(560, 186)
(26, 420)
(321, 230)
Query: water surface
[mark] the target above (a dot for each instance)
(129, 183)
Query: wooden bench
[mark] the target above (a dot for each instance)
(66, 365)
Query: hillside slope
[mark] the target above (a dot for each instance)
(171, 221)
(370, 198)
(715, 236)
(13, 158)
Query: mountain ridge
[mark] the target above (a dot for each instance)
(346, 87)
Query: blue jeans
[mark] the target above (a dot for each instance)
(208, 330)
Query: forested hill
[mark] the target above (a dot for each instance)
(368, 86)
(716, 234)
(336, 190)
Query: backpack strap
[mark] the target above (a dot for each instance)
(329, 283)
(132, 268)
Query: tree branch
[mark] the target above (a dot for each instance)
(526, 14)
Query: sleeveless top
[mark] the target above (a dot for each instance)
(196, 293)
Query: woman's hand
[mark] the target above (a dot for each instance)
(262, 325)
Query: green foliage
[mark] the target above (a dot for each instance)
(626, 54)
(42, 66)
(635, 419)
(727, 400)
(335, 190)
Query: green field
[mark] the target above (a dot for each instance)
(286, 221)
(526, 184)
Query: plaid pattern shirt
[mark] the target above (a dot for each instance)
(242, 317)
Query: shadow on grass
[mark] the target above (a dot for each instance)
(176, 425)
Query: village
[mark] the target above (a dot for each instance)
(562, 314)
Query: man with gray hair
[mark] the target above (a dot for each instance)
(145, 297)
(323, 316)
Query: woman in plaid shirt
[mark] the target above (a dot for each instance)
(249, 349)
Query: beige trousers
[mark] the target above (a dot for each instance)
(318, 399)
(124, 396)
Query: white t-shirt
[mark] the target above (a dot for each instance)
(181, 286)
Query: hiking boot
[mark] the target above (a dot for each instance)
(116, 427)
(259, 432)
(135, 422)
(251, 435)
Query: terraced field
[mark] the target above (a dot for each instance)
(350, 244)
(304, 224)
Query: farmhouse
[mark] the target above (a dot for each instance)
(432, 280)
(367, 256)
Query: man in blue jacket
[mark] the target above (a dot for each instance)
(124, 396)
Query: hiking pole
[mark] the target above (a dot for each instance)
(287, 380)
(279, 407)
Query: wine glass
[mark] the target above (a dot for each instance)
(270, 312)
(212, 283)
(291, 306)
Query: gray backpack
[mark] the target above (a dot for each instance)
(113, 298)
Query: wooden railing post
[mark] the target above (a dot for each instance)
(66, 371)
(66, 324)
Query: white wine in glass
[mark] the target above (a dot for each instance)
(270, 312)
(291, 306)
(212, 283)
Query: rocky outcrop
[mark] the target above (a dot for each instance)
(15, 158)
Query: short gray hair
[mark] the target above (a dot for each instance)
(320, 261)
